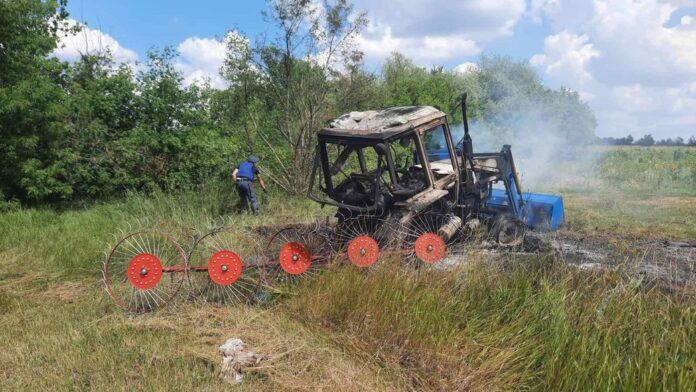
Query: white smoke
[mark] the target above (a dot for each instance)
(546, 159)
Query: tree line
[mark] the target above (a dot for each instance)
(646, 140)
(95, 129)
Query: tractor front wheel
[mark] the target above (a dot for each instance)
(507, 230)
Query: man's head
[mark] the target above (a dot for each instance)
(253, 158)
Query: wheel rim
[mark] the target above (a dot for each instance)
(510, 234)
(363, 240)
(144, 271)
(294, 258)
(225, 267)
(422, 245)
(430, 248)
(294, 252)
(363, 251)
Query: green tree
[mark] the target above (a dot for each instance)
(404, 83)
(32, 99)
(175, 141)
(295, 90)
(101, 114)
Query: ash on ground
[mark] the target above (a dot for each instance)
(668, 263)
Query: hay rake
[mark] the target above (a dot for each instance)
(146, 269)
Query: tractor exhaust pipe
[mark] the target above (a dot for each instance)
(467, 144)
(450, 227)
(467, 149)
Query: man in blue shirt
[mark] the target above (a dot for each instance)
(243, 177)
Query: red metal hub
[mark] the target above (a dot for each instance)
(144, 271)
(294, 258)
(363, 251)
(430, 248)
(224, 267)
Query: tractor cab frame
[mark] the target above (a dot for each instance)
(369, 162)
(401, 161)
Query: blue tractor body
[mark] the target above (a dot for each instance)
(538, 211)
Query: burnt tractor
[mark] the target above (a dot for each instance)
(397, 176)
(400, 185)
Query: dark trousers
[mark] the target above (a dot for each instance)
(247, 194)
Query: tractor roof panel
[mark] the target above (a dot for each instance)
(381, 124)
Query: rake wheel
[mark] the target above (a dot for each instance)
(423, 245)
(144, 271)
(225, 266)
(294, 252)
(361, 240)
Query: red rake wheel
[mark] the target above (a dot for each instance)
(145, 271)
(294, 258)
(430, 248)
(423, 245)
(363, 251)
(362, 240)
(225, 266)
(294, 252)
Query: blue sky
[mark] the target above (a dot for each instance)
(141, 24)
(633, 61)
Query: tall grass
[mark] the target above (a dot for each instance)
(73, 242)
(531, 325)
(539, 326)
(629, 192)
(652, 170)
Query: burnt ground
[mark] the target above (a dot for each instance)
(650, 260)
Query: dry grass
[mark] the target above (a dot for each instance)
(615, 214)
(514, 324)
(69, 336)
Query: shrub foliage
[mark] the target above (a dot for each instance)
(94, 129)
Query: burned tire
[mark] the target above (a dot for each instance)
(507, 230)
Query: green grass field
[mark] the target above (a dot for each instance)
(510, 324)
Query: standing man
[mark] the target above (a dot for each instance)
(243, 177)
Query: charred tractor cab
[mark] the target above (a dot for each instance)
(396, 163)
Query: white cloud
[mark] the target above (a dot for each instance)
(565, 61)
(465, 67)
(200, 60)
(426, 50)
(566, 56)
(92, 41)
(639, 47)
(637, 68)
(435, 31)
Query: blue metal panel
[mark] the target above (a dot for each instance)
(543, 212)
(438, 155)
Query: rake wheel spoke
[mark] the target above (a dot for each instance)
(226, 266)
(136, 269)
